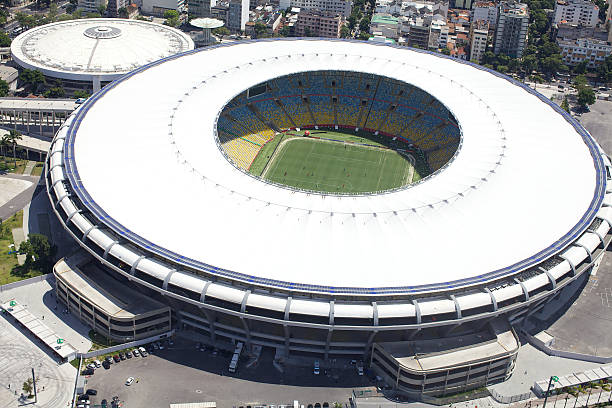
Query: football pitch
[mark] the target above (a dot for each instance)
(336, 167)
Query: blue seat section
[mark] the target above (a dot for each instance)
(322, 109)
(378, 112)
(272, 112)
(297, 110)
(347, 110)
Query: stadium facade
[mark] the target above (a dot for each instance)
(92, 52)
(424, 280)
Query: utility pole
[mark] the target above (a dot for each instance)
(553, 378)
(34, 385)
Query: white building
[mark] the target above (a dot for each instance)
(342, 7)
(159, 7)
(582, 12)
(485, 11)
(479, 33)
(584, 49)
(90, 53)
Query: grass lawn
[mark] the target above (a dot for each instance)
(262, 158)
(37, 170)
(9, 269)
(335, 167)
(9, 165)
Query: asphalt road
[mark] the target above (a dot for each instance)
(599, 123)
(182, 375)
(22, 199)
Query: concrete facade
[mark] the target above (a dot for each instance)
(319, 24)
(511, 29)
(342, 7)
(125, 315)
(580, 12)
(479, 34)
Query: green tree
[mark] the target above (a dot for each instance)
(364, 25)
(221, 32)
(529, 63)
(172, 18)
(352, 21)
(586, 96)
(260, 30)
(11, 140)
(445, 51)
(55, 92)
(101, 9)
(39, 252)
(33, 78)
(5, 40)
(122, 12)
(565, 105)
(345, 32)
(28, 387)
(4, 88)
(581, 68)
(4, 145)
(364, 35)
(79, 93)
(285, 31)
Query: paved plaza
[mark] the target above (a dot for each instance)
(18, 355)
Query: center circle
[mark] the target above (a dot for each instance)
(102, 32)
(337, 132)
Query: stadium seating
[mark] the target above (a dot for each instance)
(346, 99)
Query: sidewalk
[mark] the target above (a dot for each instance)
(568, 401)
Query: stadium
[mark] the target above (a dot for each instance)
(90, 53)
(332, 199)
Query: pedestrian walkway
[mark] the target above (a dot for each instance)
(28, 168)
(18, 238)
(591, 398)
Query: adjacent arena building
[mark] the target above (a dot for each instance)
(424, 279)
(90, 53)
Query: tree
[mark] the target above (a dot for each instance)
(363, 35)
(260, 30)
(28, 387)
(586, 96)
(445, 51)
(5, 40)
(364, 25)
(55, 92)
(172, 18)
(4, 144)
(39, 252)
(565, 105)
(12, 138)
(530, 63)
(4, 88)
(221, 32)
(285, 31)
(122, 12)
(345, 32)
(79, 93)
(101, 9)
(581, 68)
(33, 78)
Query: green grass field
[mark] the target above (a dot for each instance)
(336, 167)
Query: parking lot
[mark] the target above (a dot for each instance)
(181, 374)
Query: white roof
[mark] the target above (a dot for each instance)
(109, 48)
(508, 200)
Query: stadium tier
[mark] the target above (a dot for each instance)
(424, 282)
(339, 99)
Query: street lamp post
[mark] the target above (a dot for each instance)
(555, 379)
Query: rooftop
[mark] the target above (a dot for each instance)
(107, 294)
(108, 48)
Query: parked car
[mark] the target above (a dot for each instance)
(97, 363)
(155, 346)
(135, 352)
(317, 368)
(83, 397)
(116, 358)
(91, 365)
(360, 370)
(160, 345)
(129, 381)
(104, 403)
(80, 101)
(170, 342)
(106, 364)
(143, 352)
(122, 356)
(198, 346)
(88, 371)
(128, 355)
(91, 392)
